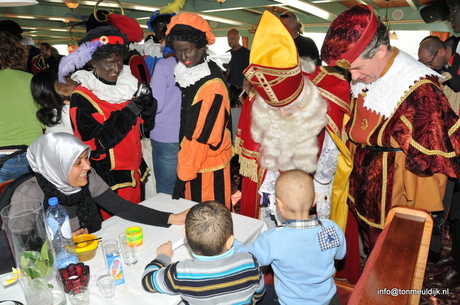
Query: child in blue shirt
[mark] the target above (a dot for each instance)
(302, 250)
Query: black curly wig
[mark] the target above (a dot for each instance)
(186, 33)
(106, 50)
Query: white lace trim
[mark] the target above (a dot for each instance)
(121, 92)
(384, 94)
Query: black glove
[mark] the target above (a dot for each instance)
(141, 103)
(179, 189)
(143, 100)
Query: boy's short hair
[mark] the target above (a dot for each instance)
(208, 225)
(295, 187)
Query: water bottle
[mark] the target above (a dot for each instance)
(60, 233)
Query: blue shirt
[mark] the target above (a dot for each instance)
(303, 271)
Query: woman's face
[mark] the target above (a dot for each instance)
(188, 53)
(78, 174)
(454, 18)
(108, 68)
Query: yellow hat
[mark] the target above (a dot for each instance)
(274, 69)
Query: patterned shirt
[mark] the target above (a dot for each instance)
(228, 278)
(302, 224)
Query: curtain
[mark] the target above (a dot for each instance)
(442, 35)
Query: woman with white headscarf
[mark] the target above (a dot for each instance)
(61, 167)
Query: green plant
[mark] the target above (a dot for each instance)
(37, 264)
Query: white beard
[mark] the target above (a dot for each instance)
(290, 142)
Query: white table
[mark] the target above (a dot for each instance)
(245, 229)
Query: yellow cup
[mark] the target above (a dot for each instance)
(135, 234)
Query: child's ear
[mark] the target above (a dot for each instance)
(183, 232)
(279, 203)
(314, 199)
(229, 243)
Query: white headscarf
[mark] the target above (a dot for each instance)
(53, 154)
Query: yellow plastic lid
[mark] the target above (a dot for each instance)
(85, 246)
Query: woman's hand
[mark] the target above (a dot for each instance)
(166, 249)
(178, 219)
(80, 231)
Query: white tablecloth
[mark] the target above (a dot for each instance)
(245, 229)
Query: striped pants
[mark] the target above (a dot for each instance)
(211, 186)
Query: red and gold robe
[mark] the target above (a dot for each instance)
(425, 129)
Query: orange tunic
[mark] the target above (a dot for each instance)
(205, 140)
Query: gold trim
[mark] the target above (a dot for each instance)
(372, 224)
(203, 87)
(146, 173)
(343, 63)
(382, 130)
(99, 110)
(353, 112)
(383, 202)
(248, 168)
(213, 169)
(454, 128)
(421, 148)
(238, 143)
(125, 184)
(280, 75)
(372, 131)
(332, 126)
(106, 16)
(333, 98)
(331, 70)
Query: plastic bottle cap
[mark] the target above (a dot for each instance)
(53, 201)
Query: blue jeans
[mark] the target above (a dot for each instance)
(164, 165)
(14, 167)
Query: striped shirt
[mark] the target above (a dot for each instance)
(228, 278)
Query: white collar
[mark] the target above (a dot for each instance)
(189, 76)
(384, 95)
(122, 91)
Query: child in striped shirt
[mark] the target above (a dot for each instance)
(215, 274)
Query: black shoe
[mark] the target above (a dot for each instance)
(445, 262)
(433, 257)
(449, 279)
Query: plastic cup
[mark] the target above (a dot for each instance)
(128, 249)
(110, 246)
(79, 296)
(138, 235)
(106, 285)
(110, 249)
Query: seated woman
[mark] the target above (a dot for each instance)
(61, 166)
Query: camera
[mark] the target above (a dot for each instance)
(143, 89)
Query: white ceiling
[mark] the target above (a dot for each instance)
(44, 22)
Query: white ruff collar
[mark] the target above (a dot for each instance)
(189, 76)
(153, 49)
(384, 94)
(121, 92)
